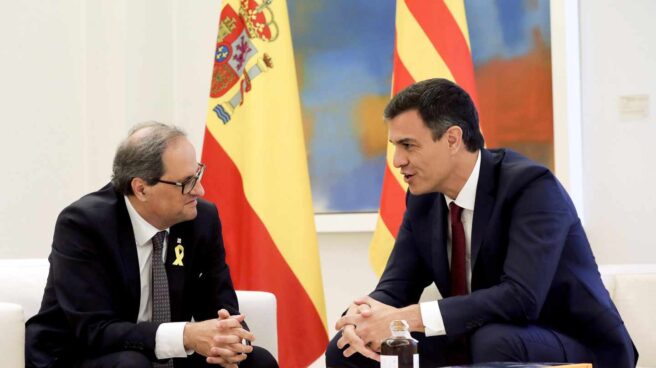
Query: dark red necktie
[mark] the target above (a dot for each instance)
(458, 249)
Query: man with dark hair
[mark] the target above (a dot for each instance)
(133, 263)
(499, 237)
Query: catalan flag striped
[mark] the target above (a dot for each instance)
(432, 41)
(257, 173)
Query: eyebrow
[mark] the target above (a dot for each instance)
(189, 177)
(403, 141)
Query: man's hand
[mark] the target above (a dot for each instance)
(229, 349)
(349, 335)
(355, 343)
(220, 340)
(371, 324)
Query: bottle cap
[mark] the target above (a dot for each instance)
(399, 327)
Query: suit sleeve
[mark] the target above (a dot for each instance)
(85, 284)
(405, 275)
(540, 220)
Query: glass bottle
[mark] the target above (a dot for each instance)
(400, 349)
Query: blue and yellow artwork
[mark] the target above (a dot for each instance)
(343, 51)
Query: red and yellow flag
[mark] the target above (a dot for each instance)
(432, 41)
(257, 173)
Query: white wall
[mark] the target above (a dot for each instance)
(195, 25)
(76, 74)
(618, 51)
(129, 75)
(41, 90)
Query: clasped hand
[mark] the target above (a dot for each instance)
(364, 326)
(220, 339)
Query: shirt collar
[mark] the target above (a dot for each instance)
(143, 231)
(467, 196)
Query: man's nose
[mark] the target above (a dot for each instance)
(198, 190)
(399, 160)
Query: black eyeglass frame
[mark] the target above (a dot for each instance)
(196, 178)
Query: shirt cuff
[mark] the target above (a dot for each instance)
(169, 341)
(431, 317)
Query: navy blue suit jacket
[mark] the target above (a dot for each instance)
(91, 300)
(531, 261)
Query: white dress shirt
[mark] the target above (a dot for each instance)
(169, 341)
(430, 311)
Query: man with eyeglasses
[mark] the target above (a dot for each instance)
(133, 263)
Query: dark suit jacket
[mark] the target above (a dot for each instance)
(91, 300)
(531, 261)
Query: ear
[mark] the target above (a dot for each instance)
(139, 188)
(454, 138)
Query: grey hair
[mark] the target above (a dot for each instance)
(141, 157)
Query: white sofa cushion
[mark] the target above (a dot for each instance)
(12, 338)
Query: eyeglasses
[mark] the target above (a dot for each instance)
(190, 183)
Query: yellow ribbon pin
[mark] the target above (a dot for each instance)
(179, 254)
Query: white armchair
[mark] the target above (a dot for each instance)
(21, 288)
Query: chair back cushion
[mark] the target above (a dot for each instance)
(22, 282)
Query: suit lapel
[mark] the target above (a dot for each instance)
(176, 263)
(484, 203)
(127, 249)
(438, 223)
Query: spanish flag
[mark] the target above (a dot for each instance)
(432, 41)
(257, 173)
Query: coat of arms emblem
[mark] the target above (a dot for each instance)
(237, 60)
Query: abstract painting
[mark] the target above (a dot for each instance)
(343, 51)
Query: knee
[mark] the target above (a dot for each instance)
(260, 358)
(496, 342)
(334, 356)
(132, 359)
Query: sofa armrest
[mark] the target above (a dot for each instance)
(260, 310)
(12, 338)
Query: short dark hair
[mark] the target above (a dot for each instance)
(441, 105)
(142, 157)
